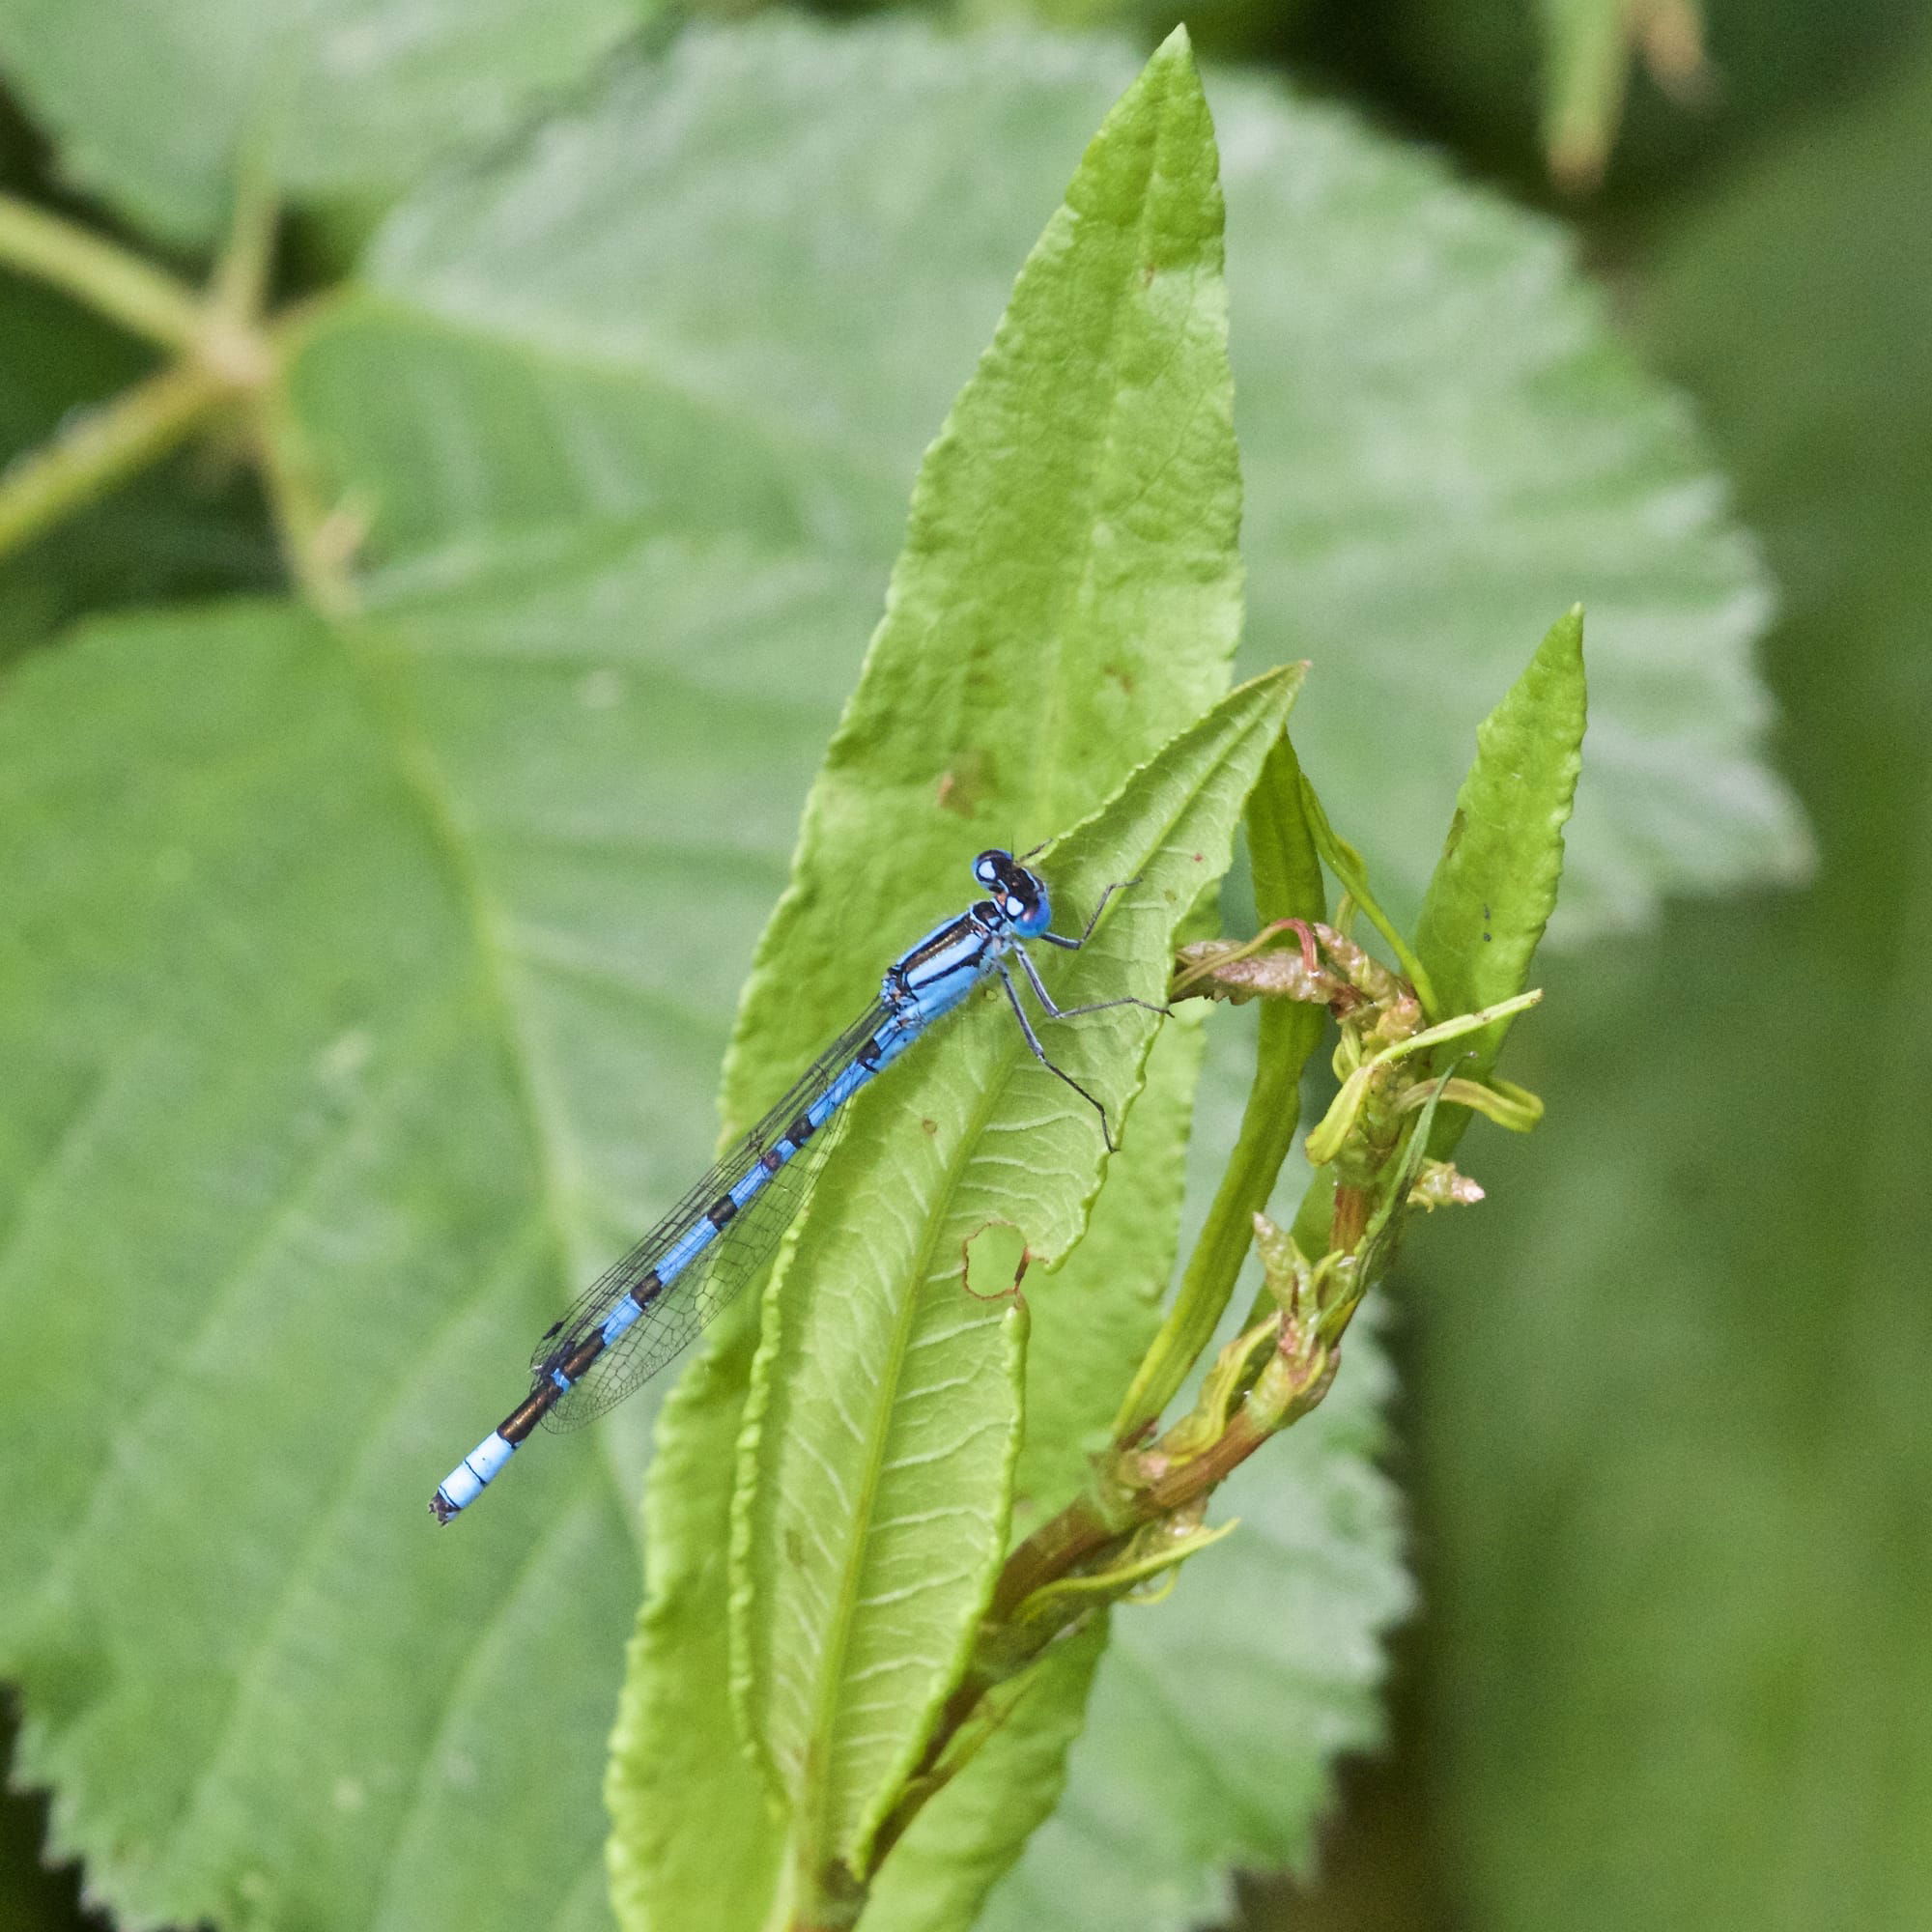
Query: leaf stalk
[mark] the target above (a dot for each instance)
(97, 449)
(1287, 895)
(99, 274)
(222, 355)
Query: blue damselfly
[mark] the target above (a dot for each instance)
(653, 1302)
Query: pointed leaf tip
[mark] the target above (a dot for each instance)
(1495, 885)
(1564, 640)
(1165, 101)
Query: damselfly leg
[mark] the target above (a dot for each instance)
(1069, 945)
(1054, 1012)
(1060, 939)
(1039, 1052)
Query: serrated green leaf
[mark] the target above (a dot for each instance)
(1495, 884)
(252, 1279)
(1083, 492)
(614, 325)
(870, 1517)
(158, 108)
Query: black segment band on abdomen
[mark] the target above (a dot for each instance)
(526, 1417)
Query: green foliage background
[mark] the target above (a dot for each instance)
(627, 342)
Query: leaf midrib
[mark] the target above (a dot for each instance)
(420, 774)
(832, 1678)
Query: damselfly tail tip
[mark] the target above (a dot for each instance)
(441, 1508)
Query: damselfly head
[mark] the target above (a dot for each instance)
(1020, 896)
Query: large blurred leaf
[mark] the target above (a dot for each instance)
(1674, 1395)
(156, 108)
(361, 991)
(738, 289)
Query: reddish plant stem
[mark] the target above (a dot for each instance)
(1077, 1535)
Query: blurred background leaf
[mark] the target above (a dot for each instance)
(401, 885)
(1670, 1394)
(155, 109)
(750, 314)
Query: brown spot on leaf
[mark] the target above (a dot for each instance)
(962, 786)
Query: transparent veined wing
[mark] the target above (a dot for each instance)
(679, 1312)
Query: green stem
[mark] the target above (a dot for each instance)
(1346, 863)
(317, 541)
(1081, 1532)
(1288, 885)
(101, 446)
(239, 288)
(102, 274)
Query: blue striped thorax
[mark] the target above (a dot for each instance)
(936, 975)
